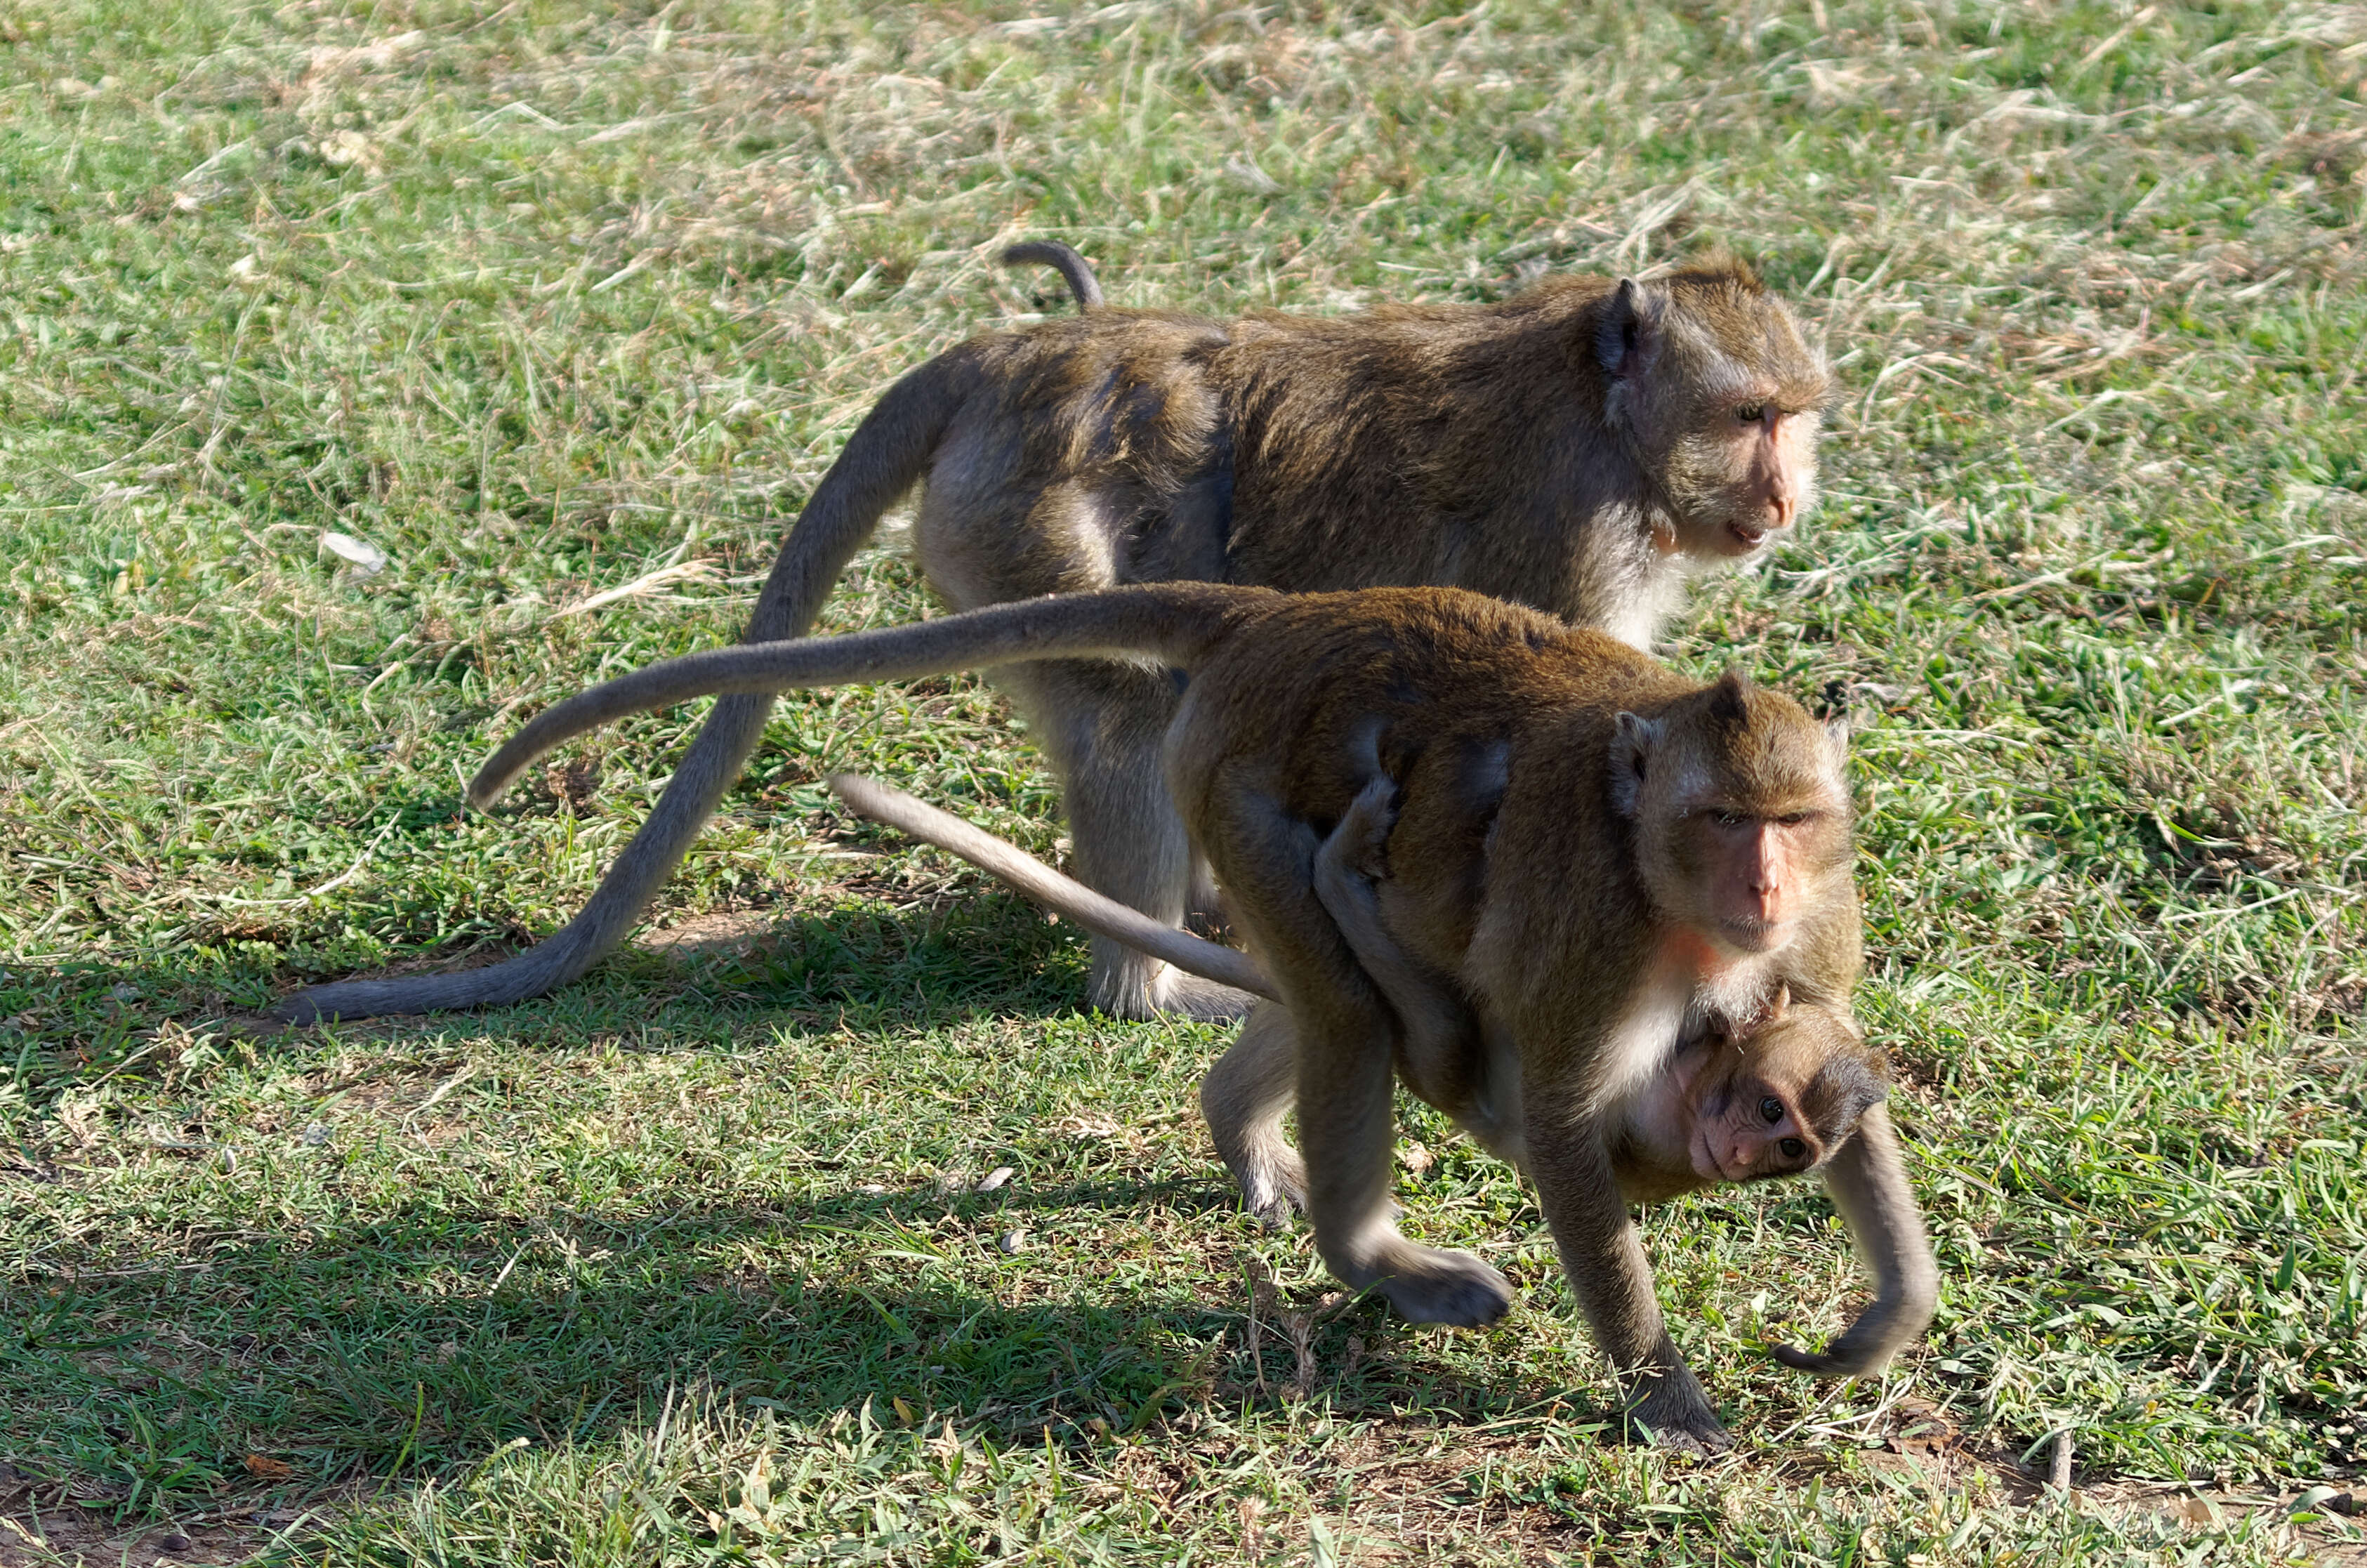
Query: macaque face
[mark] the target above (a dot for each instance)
(1742, 818)
(1779, 1098)
(1758, 869)
(1745, 472)
(1747, 1129)
(1723, 399)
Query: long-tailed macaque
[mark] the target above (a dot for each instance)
(1580, 448)
(1778, 1094)
(1605, 858)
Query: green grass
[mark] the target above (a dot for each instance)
(684, 1264)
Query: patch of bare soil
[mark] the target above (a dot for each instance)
(43, 1525)
(51, 1537)
(48, 1523)
(1921, 1444)
(736, 932)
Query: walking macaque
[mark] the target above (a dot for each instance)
(1579, 448)
(1605, 858)
(1776, 1095)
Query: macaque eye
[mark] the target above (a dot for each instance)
(1792, 1148)
(1729, 819)
(1773, 1110)
(1794, 819)
(1750, 413)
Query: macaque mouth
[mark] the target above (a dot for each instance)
(1751, 536)
(1752, 935)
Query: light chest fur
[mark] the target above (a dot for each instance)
(1690, 983)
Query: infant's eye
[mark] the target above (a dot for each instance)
(1773, 1110)
(1792, 1148)
(1750, 413)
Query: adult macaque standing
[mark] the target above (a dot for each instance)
(1579, 448)
(1779, 1094)
(1605, 859)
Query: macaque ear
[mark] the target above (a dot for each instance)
(1629, 336)
(1632, 740)
(1837, 735)
(1777, 1006)
(1730, 699)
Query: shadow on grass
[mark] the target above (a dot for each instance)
(916, 968)
(425, 1340)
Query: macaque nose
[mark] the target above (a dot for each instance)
(1766, 881)
(1780, 507)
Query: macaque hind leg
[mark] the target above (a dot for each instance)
(1440, 1053)
(1245, 1097)
(1103, 724)
(1346, 1073)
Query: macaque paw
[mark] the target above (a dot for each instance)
(1429, 1286)
(1277, 1191)
(1362, 839)
(1676, 1416)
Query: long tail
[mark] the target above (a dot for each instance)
(1063, 895)
(1074, 270)
(883, 459)
(1172, 622)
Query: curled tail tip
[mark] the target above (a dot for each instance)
(1836, 1362)
(1074, 270)
(486, 788)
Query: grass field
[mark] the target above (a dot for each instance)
(690, 1262)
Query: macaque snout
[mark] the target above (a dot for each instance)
(1763, 891)
(1742, 1155)
(1778, 506)
(1775, 493)
(1724, 1152)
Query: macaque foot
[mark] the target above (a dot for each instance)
(1275, 1188)
(1429, 1285)
(1676, 1414)
(1190, 996)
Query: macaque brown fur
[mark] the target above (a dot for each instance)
(1579, 448)
(1614, 872)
